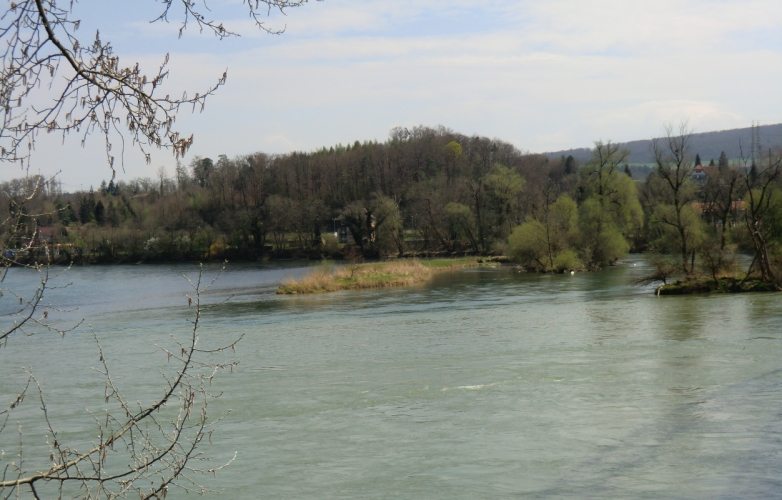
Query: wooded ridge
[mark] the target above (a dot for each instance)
(708, 145)
(425, 191)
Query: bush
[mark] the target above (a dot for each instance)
(330, 244)
(499, 247)
(566, 260)
(527, 245)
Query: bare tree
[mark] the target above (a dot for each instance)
(722, 192)
(761, 179)
(54, 80)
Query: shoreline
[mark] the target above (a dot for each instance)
(721, 285)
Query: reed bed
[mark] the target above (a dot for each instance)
(371, 275)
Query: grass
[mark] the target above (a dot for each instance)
(372, 275)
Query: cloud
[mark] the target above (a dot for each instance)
(543, 75)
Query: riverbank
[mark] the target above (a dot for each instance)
(355, 276)
(721, 285)
(86, 258)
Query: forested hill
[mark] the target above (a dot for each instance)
(707, 144)
(423, 191)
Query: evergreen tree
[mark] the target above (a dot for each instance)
(113, 215)
(723, 161)
(126, 210)
(711, 163)
(86, 212)
(91, 201)
(570, 165)
(68, 214)
(103, 187)
(100, 213)
(64, 212)
(58, 206)
(697, 159)
(627, 171)
(113, 189)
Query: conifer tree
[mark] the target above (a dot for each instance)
(100, 213)
(570, 165)
(68, 214)
(91, 200)
(113, 215)
(723, 161)
(86, 212)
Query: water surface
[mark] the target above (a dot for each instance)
(484, 383)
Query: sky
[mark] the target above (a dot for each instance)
(542, 75)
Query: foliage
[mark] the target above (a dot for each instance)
(389, 226)
(528, 245)
(566, 260)
(611, 211)
(412, 194)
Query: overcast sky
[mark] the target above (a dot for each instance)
(543, 75)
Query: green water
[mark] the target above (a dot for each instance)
(482, 384)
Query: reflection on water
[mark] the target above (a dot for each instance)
(481, 384)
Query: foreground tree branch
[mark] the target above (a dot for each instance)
(56, 81)
(138, 445)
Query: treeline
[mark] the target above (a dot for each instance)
(427, 191)
(423, 190)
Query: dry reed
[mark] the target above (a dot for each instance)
(371, 275)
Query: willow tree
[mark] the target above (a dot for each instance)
(389, 225)
(679, 227)
(549, 241)
(504, 186)
(610, 212)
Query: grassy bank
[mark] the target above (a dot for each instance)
(722, 285)
(373, 275)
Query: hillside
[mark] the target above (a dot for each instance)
(707, 144)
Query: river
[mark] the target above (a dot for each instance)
(484, 383)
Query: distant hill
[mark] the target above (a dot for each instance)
(707, 144)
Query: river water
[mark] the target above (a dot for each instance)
(484, 383)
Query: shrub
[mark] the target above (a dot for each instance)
(565, 260)
(330, 244)
(527, 244)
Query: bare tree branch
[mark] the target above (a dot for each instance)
(85, 86)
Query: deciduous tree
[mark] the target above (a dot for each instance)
(674, 213)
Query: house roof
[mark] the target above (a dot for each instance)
(711, 170)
